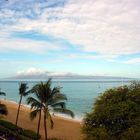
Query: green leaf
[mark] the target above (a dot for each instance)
(34, 113)
(3, 109)
(64, 111)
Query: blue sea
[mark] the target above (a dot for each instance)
(81, 93)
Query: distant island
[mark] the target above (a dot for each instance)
(73, 78)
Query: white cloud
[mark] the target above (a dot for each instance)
(28, 45)
(132, 61)
(37, 73)
(30, 72)
(102, 26)
(108, 57)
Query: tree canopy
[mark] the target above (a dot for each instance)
(3, 108)
(47, 99)
(115, 115)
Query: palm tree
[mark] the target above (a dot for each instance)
(2, 93)
(22, 92)
(3, 108)
(46, 100)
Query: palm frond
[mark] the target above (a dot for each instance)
(60, 96)
(57, 98)
(59, 104)
(41, 91)
(64, 111)
(22, 89)
(33, 102)
(3, 109)
(49, 82)
(2, 93)
(34, 113)
(27, 92)
(55, 90)
(35, 88)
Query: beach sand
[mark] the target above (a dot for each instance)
(65, 129)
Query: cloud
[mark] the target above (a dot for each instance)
(102, 26)
(27, 45)
(30, 72)
(36, 73)
(132, 61)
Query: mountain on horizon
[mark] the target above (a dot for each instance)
(65, 76)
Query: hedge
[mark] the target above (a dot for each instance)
(17, 132)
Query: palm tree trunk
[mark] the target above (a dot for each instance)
(38, 128)
(45, 127)
(18, 109)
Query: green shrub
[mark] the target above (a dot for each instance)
(115, 115)
(7, 131)
(30, 134)
(54, 139)
(8, 125)
(21, 137)
(17, 132)
(129, 134)
(3, 130)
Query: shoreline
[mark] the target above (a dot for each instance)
(64, 128)
(63, 116)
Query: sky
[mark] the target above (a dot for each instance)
(94, 37)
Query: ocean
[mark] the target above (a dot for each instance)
(81, 93)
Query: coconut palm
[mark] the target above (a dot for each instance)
(2, 93)
(22, 92)
(3, 108)
(47, 99)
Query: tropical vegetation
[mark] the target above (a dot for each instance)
(22, 92)
(47, 99)
(115, 115)
(3, 108)
(10, 131)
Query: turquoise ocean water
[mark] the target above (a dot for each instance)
(81, 93)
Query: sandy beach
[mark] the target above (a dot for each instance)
(65, 129)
